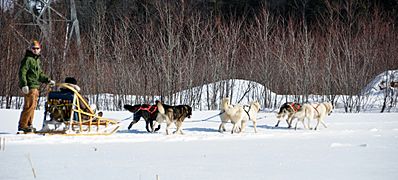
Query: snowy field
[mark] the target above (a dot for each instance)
(354, 146)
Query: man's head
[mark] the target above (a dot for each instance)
(71, 80)
(35, 47)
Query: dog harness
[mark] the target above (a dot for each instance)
(316, 108)
(154, 108)
(294, 107)
(149, 108)
(247, 112)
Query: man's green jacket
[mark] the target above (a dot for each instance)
(30, 72)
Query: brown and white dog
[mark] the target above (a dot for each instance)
(287, 109)
(170, 114)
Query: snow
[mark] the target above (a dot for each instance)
(373, 87)
(354, 146)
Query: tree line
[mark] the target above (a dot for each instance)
(158, 48)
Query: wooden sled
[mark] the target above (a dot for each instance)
(68, 113)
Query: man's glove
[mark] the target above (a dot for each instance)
(25, 89)
(51, 83)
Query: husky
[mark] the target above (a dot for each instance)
(251, 111)
(170, 114)
(325, 109)
(287, 109)
(233, 114)
(312, 111)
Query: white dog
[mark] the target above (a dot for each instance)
(235, 114)
(325, 109)
(317, 111)
(251, 111)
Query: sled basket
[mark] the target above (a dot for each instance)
(67, 112)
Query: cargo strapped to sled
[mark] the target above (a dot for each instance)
(69, 113)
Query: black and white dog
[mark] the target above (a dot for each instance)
(170, 114)
(287, 109)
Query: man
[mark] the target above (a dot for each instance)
(30, 77)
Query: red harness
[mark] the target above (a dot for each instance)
(149, 108)
(294, 108)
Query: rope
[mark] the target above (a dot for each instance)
(201, 120)
(206, 118)
(125, 119)
(244, 94)
(262, 117)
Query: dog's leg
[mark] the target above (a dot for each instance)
(156, 124)
(323, 123)
(295, 127)
(277, 123)
(309, 123)
(178, 125)
(279, 116)
(168, 124)
(221, 128)
(302, 121)
(243, 126)
(236, 128)
(317, 123)
(289, 120)
(132, 123)
(147, 124)
(151, 125)
(255, 124)
(224, 120)
(320, 120)
(233, 128)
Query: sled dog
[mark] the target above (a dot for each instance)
(170, 114)
(287, 109)
(251, 111)
(229, 113)
(146, 111)
(317, 111)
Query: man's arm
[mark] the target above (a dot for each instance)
(23, 69)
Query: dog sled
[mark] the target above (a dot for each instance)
(68, 113)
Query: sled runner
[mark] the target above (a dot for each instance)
(67, 112)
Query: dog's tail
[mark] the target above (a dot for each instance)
(329, 107)
(160, 107)
(161, 115)
(309, 111)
